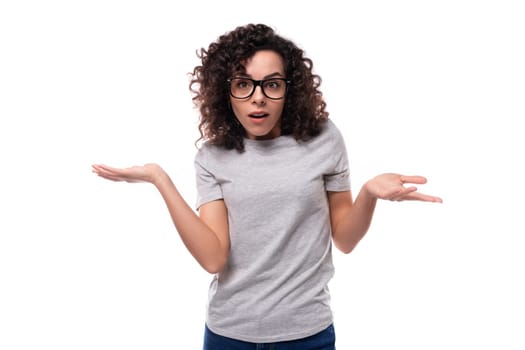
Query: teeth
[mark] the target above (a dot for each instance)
(258, 115)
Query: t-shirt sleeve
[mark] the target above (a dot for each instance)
(208, 188)
(338, 179)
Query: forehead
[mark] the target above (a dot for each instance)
(264, 62)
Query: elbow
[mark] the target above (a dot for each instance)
(345, 247)
(212, 269)
(214, 266)
(347, 250)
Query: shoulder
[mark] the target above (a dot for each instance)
(331, 127)
(203, 152)
(209, 154)
(331, 132)
(207, 148)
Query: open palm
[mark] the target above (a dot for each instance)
(392, 187)
(137, 173)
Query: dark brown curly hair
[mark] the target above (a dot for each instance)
(304, 109)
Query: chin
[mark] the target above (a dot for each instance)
(261, 132)
(264, 136)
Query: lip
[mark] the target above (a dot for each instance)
(256, 121)
(258, 115)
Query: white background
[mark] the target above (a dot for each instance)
(434, 88)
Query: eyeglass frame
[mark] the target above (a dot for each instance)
(258, 83)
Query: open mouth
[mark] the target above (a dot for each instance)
(258, 115)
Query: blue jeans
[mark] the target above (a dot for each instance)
(324, 340)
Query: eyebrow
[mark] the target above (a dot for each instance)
(273, 75)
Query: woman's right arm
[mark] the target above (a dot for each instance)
(206, 237)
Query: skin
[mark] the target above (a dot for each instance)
(206, 235)
(262, 65)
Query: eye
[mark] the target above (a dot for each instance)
(273, 84)
(242, 83)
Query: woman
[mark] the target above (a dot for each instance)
(273, 194)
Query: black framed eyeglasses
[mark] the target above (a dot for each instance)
(273, 88)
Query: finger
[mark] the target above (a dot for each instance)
(100, 169)
(110, 177)
(111, 171)
(400, 194)
(104, 172)
(98, 166)
(422, 197)
(415, 179)
(107, 168)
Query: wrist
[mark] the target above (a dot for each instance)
(367, 191)
(157, 175)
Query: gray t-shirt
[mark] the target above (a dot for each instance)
(275, 284)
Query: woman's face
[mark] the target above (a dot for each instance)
(258, 114)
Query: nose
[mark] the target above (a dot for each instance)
(258, 95)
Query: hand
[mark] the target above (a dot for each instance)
(146, 173)
(391, 187)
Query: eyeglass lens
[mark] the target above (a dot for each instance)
(272, 88)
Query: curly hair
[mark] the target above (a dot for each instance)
(304, 109)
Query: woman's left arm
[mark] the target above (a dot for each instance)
(350, 220)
